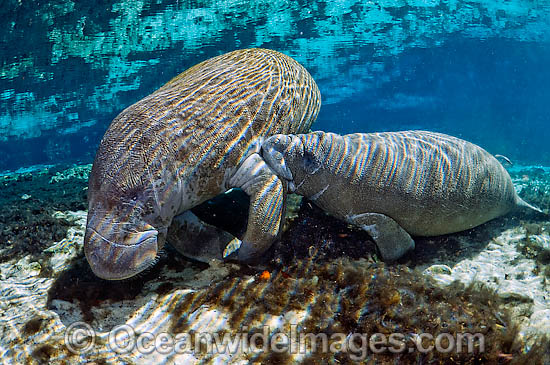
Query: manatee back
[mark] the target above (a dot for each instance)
(206, 119)
(430, 183)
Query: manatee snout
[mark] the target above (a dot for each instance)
(118, 251)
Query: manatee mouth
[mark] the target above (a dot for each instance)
(117, 261)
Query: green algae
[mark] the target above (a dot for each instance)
(27, 221)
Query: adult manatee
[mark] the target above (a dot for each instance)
(188, 142)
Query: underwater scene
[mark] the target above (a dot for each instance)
(275, 182)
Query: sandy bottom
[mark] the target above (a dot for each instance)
(54, 310)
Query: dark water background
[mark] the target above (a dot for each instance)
(475, 69)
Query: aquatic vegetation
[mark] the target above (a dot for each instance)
(536, 245)
(29, 201)
(338, 294)
(534, 184)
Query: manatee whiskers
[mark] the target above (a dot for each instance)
(102, 237)
(148, 268)
(153, 185)
(119, 227)
(134, 207)
(114, 228)
(145, 271)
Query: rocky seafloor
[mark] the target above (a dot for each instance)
(322, 277)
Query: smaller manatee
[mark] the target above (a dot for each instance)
(395, 184)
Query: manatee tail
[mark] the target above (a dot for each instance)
(523, 205)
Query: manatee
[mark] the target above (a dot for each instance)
(194, 138)
(395, 185)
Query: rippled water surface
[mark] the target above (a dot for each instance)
(477, 69)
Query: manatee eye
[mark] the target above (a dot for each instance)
(311, 165)
(132, 194)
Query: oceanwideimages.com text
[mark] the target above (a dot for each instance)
(123, 339)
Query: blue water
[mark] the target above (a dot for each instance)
(474, 69)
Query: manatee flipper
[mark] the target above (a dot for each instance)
(273, 149)
(267, 201)
(392, 240)
(505, 159)
(196, 239)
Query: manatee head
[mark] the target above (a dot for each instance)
(130, 206)
(290, 158)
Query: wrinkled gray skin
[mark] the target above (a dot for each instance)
(194, 138)
(395, 184)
